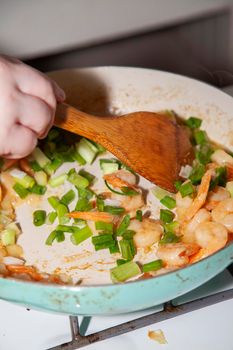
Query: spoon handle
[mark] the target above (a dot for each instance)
(78, 122)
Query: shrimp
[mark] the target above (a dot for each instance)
(188, 230)
(200, 199)
(211, 236)
(92, 215)
(121, 178)
(223, 214)
(182, 204)
(176, 254)
(148, 232)
(214, 197)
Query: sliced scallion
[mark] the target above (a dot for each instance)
(40, 157)
(169, 237)
(166, 215)
(124, 272)
(21, 191)
(68, 197)
(51, 238)
(105, 226)
(87, 175)
(193, 122)
(77, 180)
(152, 266)
(37, 189)
(39, 217)
(51, 217)
(197, 174)
(200, 137)
(81, 235)
(62, 210)
(139, 215)
(60, 237)
(41, 178)
(186, 189)
(168, 202)
(83, 204)
(114, 210)
(8, 236)
(54, 202)
(109, 166)
(87, 150)
(127, 249)
(58, 180)
(123, 225)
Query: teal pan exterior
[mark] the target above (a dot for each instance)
(118, 298)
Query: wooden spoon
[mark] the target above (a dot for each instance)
(151, 144)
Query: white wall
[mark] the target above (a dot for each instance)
(29, 28)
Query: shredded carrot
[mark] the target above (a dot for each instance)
(25, 166)
(30, 270)
(115, 181)
(92, 215)
(9, 163)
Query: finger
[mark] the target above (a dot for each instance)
(35, 114)
(59, 93)
(21, 143)
(32, 82)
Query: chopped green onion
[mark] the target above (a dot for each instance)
(200, 137)
(40, 157)
(100, 225)
(128, 234)
(129, 191)
(8, 236)
(79, 158)
(22, 178)
(80, 236)
(203, 155)
(127, 249)
(121, 262)
(171, 226)
(169, 237)
(100, 148)
(168, 202)
(123, 225)
(124, 272)
(102, 239)
(58, 180)
(51, 238)
(62, 210)
(166, 215)
(41, 178)
(51, 217)
(100, 203)
(85, 193)
(83, 204)
(37, 189)
(20, 190)
(35, 166)
(109, 166)
(159, 192)
(68, 228)
(87, 175)
(50, 168)
(60, 237)
(152, 266)
(112, 190)
(186, 189)
(220, 178)
(114, 210)
(68, 197)
(193, 122)
(77, 180)
(114, 248)
(53, 134)
(139, 215)
(54, 202)
(87, 150)
(197, 174)
(177, 185)
(39, 217)
(106, 245)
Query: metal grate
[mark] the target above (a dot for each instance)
(170, 311)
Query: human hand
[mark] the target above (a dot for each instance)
(28, 102)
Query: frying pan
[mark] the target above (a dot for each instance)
(115, 90)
